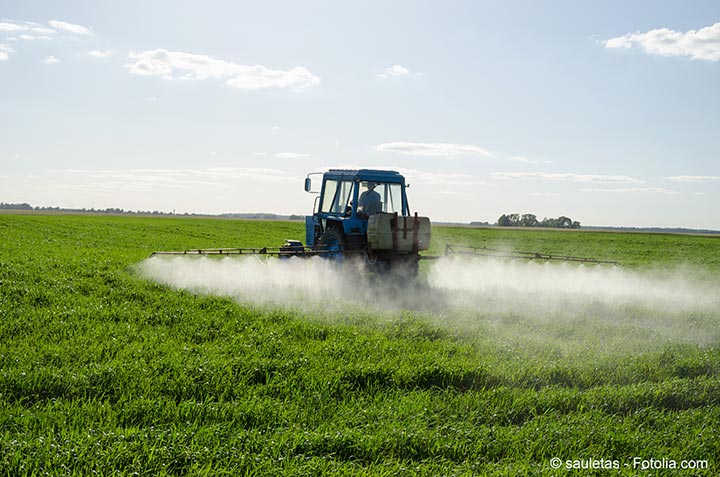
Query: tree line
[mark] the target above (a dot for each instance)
(92, 210)
(22, 206)
(531, 220)
(115, 210)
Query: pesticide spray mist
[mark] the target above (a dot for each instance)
(467, 293)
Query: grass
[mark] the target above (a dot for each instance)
(103, 372)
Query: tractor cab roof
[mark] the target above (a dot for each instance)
(374, 175)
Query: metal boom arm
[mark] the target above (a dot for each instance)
(490, 252)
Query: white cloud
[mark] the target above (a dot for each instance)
(631, 190)
(445, 179)
(258, 77)
(173, 65)
(546, 194)
(29, 31)
(394, 72)
(51, 60)
(6, 27)
(432, 149)
(31, 27)
(5, 52)
(70, 27)
(564, 177)
(177, 179)
(291, 155)
(100, 53)
(702, 44)
(694, 178)
(526, 160)
(417, 176)
(39, 29)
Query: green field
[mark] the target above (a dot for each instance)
(106, 372)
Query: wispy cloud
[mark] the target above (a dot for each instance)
(432, 149)
(631, 190)
(418, 176)
(25, 27)
(51, 60)
(415, 176)
(394, 71)
(100, 53)
(526, 160)
(175, 179)
(5, 52)
(291, 155)
(70, 28)
(26, 37)
(702, 44)
(564, 177)
(6, 27)
(175, 65)
(694, 178)
(30, 31)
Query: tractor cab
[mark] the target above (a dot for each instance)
(346, 200)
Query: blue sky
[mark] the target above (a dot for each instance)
(607, 112)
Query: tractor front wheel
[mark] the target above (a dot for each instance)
(331, 243)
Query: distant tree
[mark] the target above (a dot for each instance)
(529, 220)
(504, 221)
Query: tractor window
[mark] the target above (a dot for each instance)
(392, 198)
(336, 197)
(380, 197)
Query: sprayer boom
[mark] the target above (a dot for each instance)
(223, 251)
(292, 248)
(496, 253)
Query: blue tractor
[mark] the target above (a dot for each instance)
(365, 213)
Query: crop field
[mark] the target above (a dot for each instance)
(114, 363)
